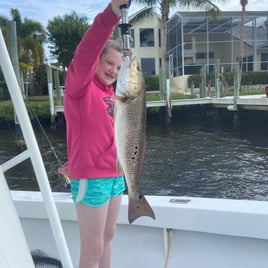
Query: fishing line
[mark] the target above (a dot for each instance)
(66, 178)
(44, 133)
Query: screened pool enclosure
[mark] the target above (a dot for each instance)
(194, 39)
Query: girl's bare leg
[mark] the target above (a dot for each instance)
(113, 211)
(97, 227)
(91, 222)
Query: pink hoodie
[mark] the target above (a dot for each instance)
(88, 107)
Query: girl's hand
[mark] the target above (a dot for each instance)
(115, 5)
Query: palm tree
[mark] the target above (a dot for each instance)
(165, 7)
(30, 37)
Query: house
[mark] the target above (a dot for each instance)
(193, 40)
(146, 42)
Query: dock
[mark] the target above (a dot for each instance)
(248, 102)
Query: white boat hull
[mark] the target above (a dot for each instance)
(206, 233)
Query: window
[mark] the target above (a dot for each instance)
(248, 63)
(146, 37)
(148, 65)
(264, 61)
(188, 46)
(203, 55)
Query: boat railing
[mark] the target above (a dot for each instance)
(32, 151)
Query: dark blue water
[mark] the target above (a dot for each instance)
(201, 155)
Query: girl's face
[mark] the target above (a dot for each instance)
(109, 67)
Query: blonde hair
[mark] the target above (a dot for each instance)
(111, 44)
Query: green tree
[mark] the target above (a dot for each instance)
(165, 7)
(64, 33)
(3, 25)
(30, 37)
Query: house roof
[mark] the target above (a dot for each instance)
(260, 36)
(227, 22)
(142, 11)
(199, 22)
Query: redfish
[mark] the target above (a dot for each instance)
(130, 134)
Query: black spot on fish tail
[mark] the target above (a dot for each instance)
(138, 207)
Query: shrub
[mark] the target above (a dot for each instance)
(152, 82)
(6, 111)
(39, 109)
(248, 78)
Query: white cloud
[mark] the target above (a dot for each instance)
(253, 5)
(45, 10)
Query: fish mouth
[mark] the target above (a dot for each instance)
(130, 59)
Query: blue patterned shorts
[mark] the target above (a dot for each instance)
(96, 192)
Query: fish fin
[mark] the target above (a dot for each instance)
(138, 207)
(119, 168)
(63, 170)
(120, 98)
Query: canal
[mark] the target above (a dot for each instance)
(199, 152)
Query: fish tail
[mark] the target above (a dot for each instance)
(138, 207)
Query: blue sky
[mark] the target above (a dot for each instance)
(44, 10)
